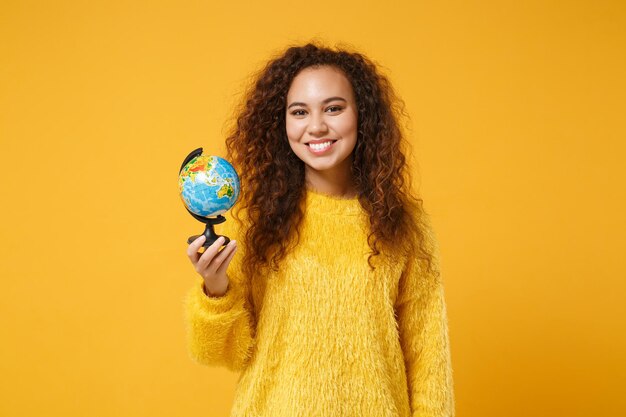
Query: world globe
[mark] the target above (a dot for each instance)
(208, 186)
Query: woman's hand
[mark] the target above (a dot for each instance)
(212, 264)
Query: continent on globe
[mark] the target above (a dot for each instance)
(225, 191)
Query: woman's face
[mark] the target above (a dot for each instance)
(321, 119)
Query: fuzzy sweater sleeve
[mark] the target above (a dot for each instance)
(220, 330)
(423, 328)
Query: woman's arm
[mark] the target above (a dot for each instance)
(221, 329)
(423, 327)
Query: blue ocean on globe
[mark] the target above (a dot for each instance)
(208, 185)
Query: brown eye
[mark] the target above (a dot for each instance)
(295, 112)
(334, 107)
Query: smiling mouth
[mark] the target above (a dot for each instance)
(321, 145)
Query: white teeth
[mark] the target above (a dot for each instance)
(320, 146)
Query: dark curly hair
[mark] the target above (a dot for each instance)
(272, 176)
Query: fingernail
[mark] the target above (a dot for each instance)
(203, 237)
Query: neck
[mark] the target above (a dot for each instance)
(337, 181)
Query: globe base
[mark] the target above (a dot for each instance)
(209, 232)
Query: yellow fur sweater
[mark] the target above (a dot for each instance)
(328, 337)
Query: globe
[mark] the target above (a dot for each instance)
(208, 185)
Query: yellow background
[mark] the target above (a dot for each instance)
(519, 135)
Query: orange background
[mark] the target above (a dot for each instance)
(518, 129)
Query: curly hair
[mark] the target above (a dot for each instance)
(272, 176)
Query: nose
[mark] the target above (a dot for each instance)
(317, 125)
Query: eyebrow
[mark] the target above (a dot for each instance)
(324, 101)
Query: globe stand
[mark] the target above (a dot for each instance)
(209, 232)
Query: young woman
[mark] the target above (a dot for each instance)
(328, 299)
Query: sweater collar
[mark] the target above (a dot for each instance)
(319, 202)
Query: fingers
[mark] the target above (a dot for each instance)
(226, 262)
(223, 255)
(210, 252)
(192, 250)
